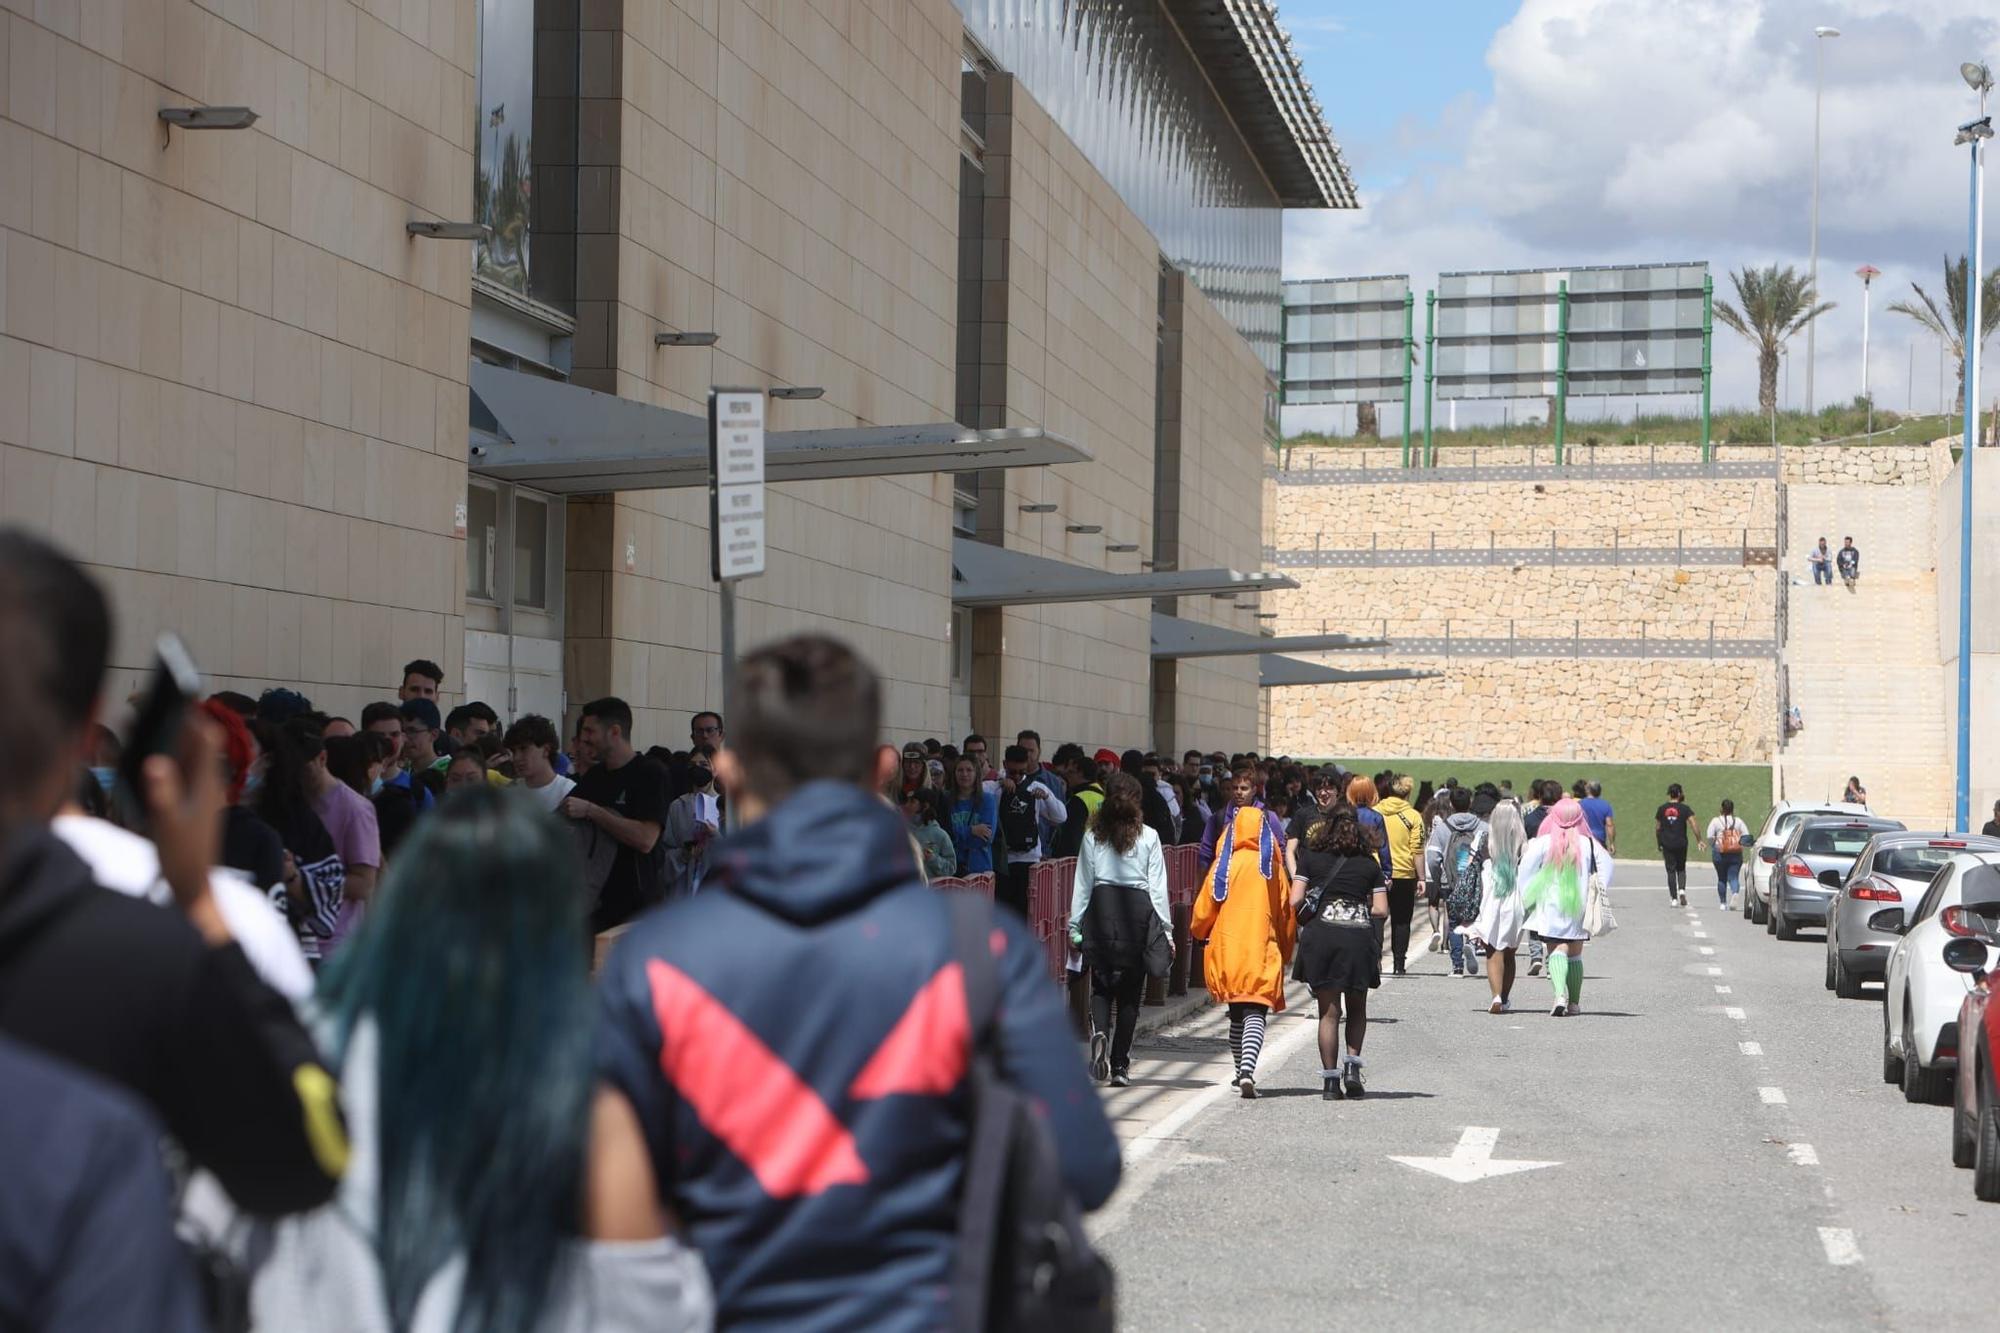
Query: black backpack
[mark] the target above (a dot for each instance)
(1020, 829)
(1024, 1261)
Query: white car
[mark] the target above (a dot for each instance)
(1921, 995)
(1760, 856)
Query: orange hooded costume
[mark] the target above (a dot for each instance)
(1244, 912)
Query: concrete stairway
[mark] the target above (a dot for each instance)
(1864, 666)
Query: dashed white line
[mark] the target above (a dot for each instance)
(1701, 934)
(1733, 1012)
(1706, 951)
(1838, 1242)
(1772, 1096)
(1750, 1047)
(1715, 971)
(1723, 990)
(1802, 1154)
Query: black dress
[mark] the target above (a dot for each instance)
(1337, 946)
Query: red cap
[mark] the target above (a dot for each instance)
(1106, 758)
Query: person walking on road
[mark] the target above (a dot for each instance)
(1404, 830)
(1339, 895)
(1725, 838)
(1451, 868)
(1670, 830)
(1244, 912)
(1556, 872)
(1821, 561)
(1117, 906)
(1502, 922)
(1849, 562)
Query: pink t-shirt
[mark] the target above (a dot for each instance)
(350, 821)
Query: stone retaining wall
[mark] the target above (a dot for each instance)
(1741, 602)
(1580, 513)
(1610, 711)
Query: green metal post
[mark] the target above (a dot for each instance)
(1430, 337)
(1707, 367)
(1409, 338)
(1562, 365)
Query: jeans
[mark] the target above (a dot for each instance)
(1464, 953)
(1123, 990)
(1677, 870)
(1728, 877)
(1402, 904)
(1822, 573)
(1010, 886)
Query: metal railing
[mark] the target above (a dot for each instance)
(1544, 636)
(1579, 464)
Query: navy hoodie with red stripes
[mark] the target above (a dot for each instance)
(795, 1040)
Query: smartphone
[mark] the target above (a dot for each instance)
(156, 729)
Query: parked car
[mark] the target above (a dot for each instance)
(1762, 854)
(1894, 870)
(1975, 1114)
(1811, 864)
(1921, 994)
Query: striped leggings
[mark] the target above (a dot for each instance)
(1246, 1035)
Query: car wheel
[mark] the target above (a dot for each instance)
(1783, 928)
(1748, 896)
(1921, 1086)
(1760, 914)
(1769, 916)
(1892, 1056)
(1845, 984)
(1830, 970)
(1986, 1153)
(1963, 1141)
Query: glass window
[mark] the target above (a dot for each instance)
(502, 160)
(482, 524)
(531, 553)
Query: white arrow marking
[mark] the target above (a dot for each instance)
(1472, 1159)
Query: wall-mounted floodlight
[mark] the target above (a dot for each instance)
(666, 339)
(449, 231)
(794, 393)
(1122, 548)
(208, 117)
(1085, 528)
(1267, 615)
(1038, 509)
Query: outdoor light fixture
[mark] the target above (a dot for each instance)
(1974, 129)
(1824, 31)
(449, 231)
(209, 117)
(1085, 528)
(1267, 615)
(1123, 548)
(664, 339)
(1974, 73)
(1980, 79)
(1038, 509)
(799, 392)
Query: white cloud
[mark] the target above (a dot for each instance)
(1630, 131)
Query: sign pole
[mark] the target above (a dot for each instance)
(1409, 357)
(1562, 364)
(1430, 340)
(1707, 363)
(735, 512)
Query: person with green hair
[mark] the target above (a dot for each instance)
(1555, 874)
(494, 1183)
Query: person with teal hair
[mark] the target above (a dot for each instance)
(494, 1184)
(1555, 874)
(1502, 922)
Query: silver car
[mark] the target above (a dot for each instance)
(1892, 871)
(1811, 864)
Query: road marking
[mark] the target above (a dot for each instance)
(1802, 1154)
(1733, 1012)
(1701, 934)
(1772, 1096)
(1716, 971)
(1472, 1159)
(1838, 1242)
(1749, 1048)
(1276, 1052)
(1723, 990)
(1706, 951)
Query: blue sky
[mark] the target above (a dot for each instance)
(1552, 133)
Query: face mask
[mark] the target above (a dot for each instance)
(375, 787)
(105, 776)
(253, 784)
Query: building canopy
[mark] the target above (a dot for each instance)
(1174, 636)
(986, 575)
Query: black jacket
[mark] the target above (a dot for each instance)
(130, 992)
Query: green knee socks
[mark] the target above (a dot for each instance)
(1559, 965)
(1575, 980)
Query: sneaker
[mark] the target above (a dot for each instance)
(1249, 1086)
(1499, 1006)
(1534, 967)
(1575, 1007)
(1560, 1009)
(1458, 969)
(1100, 1057)
(1350, 1079)
(1401, 971)
(1506, 1007)
(1436, 942)
(1684, 900)
(1120, 1079)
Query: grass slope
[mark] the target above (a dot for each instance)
(1842, 423)
(1634, 790)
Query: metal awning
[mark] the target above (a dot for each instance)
(568, 440)
(1176, 637)
(986, 575)
(1275, 671)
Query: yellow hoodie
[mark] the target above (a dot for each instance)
(1406, 836)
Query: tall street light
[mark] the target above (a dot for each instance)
(1976, 133)
(1867, 273)
(1819, 85)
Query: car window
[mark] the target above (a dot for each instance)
(1834, 841)
(1910, 862)
(1790, 819)
(1931, 895)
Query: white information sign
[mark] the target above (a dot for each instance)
(736, 483)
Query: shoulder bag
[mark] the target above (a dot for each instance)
(1598, 918)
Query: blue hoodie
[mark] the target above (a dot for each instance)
(794, 1039)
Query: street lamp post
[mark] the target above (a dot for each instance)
(1867, 273)
(1812, 279)
(1976, 133)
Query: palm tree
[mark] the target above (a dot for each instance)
(1952, 330)
(1772, 304)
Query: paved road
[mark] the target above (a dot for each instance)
(1728, 1157)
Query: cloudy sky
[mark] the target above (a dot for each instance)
(1527, 133)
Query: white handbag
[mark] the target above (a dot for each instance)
(1598, 918)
